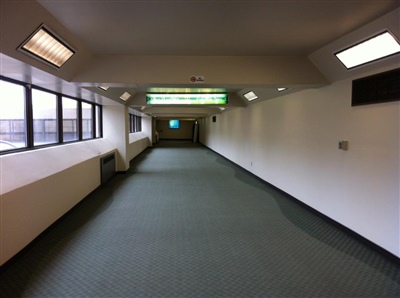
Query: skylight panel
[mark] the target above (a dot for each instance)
(377, 47)
(47, 47)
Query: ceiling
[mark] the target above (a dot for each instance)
(194, 28)
(213, 27)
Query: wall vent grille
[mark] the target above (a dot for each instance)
(379, 88)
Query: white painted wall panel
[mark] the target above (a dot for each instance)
(50, 182)
(292, 143)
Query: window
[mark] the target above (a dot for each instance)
(87, 120)
(32, 117)
(12, 116)
(138, 123)
(135, 123)
(70, 119)
(44, 108)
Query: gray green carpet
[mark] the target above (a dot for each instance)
(184, 222)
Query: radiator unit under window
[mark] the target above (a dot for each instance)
(107, 167)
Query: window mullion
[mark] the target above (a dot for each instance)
(101, 121)
(94, 121)
(80, 121)
(29, 116)
(60, 119)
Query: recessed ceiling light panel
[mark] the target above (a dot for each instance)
(47, 47)
(250, 96)
(282, 89)
(125, 96)
(104, 88)
(372, 49)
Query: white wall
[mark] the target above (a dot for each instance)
(138, 142)
(116, 131)
(39, 186)
(148, 128)
(292, 143)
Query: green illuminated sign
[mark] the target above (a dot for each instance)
(187, 99)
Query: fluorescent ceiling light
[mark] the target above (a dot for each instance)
(222, 108)
(250, 96)
(125, 96)
(372, 49)
(187, 99)
(46, 46)
(185, 90)
(282, 89)
(104, 88)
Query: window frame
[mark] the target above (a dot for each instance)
(97, 124)
(25, 113)
(92, 112)
(61, 123)
(58, 107)
(135, 123)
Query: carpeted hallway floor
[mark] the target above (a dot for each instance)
(184, 222)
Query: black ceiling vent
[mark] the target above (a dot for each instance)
(382, 87)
